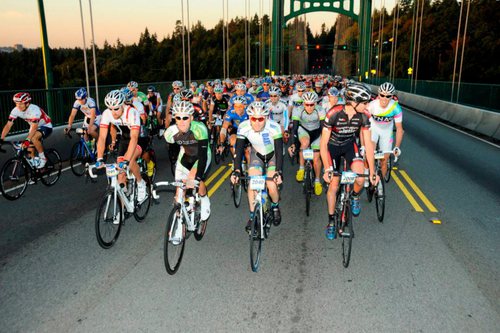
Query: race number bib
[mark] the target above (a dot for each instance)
(257, 183)
(348, 177)
(308, 154)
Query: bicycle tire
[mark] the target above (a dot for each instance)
(347, 234)
(108, 224)
(141, 209)
(201, 226)
(78, 158)
(369, 193)
(380, 199)
(14, 175)
(307, 188)
(236, 193)
(178, 249)
(255, 239)
(387, 177)
(51, 172)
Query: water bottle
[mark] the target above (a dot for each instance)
(264, 198)
(89, 145)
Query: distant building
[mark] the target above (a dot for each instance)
(18, 47)
(10, 49)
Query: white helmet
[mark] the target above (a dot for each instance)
(257, 108)
(114, 98)
(177, 84)
(300, 86)
(274, 91)
(241, 86)
(177, 98)
(310, 97)
(132, 84)
(386, 88)
(183, 107)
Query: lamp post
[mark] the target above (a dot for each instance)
(49, 79)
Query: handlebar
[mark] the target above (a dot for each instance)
(181, 184)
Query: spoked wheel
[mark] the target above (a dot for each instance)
(52, 170)
(347, 235)
(236, 193)
(308, 189)
(108, 220)
(389, 169)
(217, 155)
(201, 228)
(79, 156)
(369, 192)
(380, 199)
(255, 240)
(142, 208)
(174, 241)
(14, 179)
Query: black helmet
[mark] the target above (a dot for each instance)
(151, 89)
(358, 93)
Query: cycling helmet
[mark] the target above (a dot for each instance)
(318, 84)
(177, 84)
(202, 87)
(194, 84)
(210, 83)
(310, 97)
(333, 92)
(256, 82)
(81, 93)
(228, 81)
(358, 93)
(292, 83)
(183, 107)
(22, 97)
(257, 108)
(217, 82)
(300, 86)
(177, 98)
(241, 86)
(186, 94)
(132, 84)
(127, 94)
(274, 91)
(151, 89)
(283, 83)
(240, 100)
(386, 88)
(218, 89)
(114, 98)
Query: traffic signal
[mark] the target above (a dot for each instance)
(297, 47)
(343, 47)
(317, 47)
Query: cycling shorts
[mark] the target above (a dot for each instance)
(313, 136)
(350, 152)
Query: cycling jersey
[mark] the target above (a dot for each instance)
(343, 130)
(235, 119)
(86, 107)
(155, 100)
(309, 121)
(32, 115)
(199, 114)
(248, 97)
(279, 113)
(129, 120)
(295, 100)
(221, 105)
(383, 117)
(263, 95)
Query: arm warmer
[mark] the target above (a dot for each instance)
(240, 144)
(202, 160)
(278, 151)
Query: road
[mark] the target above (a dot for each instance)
(406, 275)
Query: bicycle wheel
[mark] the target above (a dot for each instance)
(52, 170)
(256, 239)
(308, 188)
(380, 199)
(236, 193)
(108, 220)
(173, 250)
(201, 226)
(141, 209)
(79, 156)
(347, 234)
(369, 192)
(14, 178)
(389, 169)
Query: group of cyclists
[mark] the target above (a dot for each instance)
(261, 121)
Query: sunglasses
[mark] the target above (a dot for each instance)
(300, 90)
(259, 119)
(265, 84)
(177, 88)
(182, 118)
(274, 96)
(385, 96)
(115, 109)
(309, 104)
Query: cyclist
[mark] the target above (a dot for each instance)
(208, 96)
(236, 115)
(278, 111)
(318, 88)
(197, 96)
(228, 87)
(176, 88)
(241, 90)
(306, 131)
(126, 119)
(295, 100)
(219, 105)
(195, 156)
(255, 88)
(263, 95)
(339, 139)
(332, 99)
(384, 113)
(155, 102)
(89, 108)
(40, 125)
(199, 115)
(265, 138)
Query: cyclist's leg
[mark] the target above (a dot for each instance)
(304, 144)
(385, 144)
(255, 168)
(331, 196)
(232, 142)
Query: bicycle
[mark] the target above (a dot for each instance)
(262, 218)
(343, 214)
(118, 203)
(308, 183)
(379, 190)
(214, 138)
(184, 219)
(20, 171)
(82, 152)
(236, 190)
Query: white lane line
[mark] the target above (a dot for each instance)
(453, 128)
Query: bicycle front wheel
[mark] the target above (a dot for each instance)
(389, 169)
(347, 234)
(236, 192)
(380, 199)
(256, 239)
(308, 188)
(141, 209)
(14, 179)
(79, 156)
(174, 241)
(52, 170)
(108, 220)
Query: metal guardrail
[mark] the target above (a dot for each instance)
(484, 96)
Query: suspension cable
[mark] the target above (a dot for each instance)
(85, 51)
(188, 42)
(227, 35)
(463, 50)
(392, 43)
(418, 44)
(223, 40)
(456, 51)
(93, 52)
(396, 42)
(183, 45)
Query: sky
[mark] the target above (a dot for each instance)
(123, 19)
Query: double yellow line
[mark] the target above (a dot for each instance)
(220, 181)
(415, 189)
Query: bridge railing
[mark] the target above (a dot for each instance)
(485, 96)
(63, 99)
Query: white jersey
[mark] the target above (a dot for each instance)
(295, 100)
(383, 117)
(86, 107)
(138, 106)
(129, 119)
(278, 112)
(263, 141)
(33, 115)
(309, 121)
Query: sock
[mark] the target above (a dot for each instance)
(301, 167)
(252, 214)
(41, 155)
(274, 204)
(316, 180)
(355, 195)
